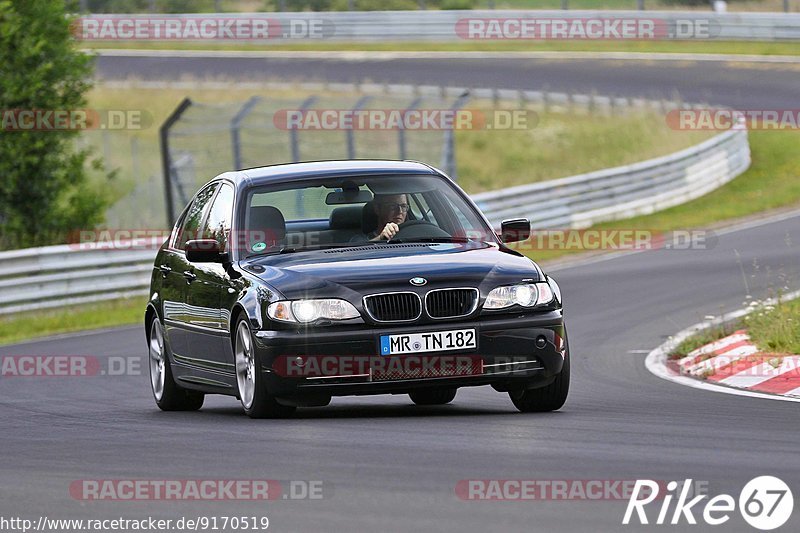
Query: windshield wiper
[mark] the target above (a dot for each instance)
(273, 251)
(437, 240)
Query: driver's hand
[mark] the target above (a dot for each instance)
(389, 231)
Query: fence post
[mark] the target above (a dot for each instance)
(236, 124)
(640, 5)
(351, 139)
(166, 162)
(135, 157)
(449, 149)
(295, 145)
(564, 4)
(401, 132)
(293, 140)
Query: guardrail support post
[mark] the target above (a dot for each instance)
(295, 146)
(351, 137)
(449, 153)
(166, 161)
(236, 124)
(293, 140)
(401, 133)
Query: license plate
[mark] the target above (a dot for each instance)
(435, 341)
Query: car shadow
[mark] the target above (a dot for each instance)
(387, 411)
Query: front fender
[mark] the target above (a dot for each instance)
(252, 300)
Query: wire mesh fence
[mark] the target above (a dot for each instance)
(208, 139)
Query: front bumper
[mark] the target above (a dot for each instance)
(513, 352)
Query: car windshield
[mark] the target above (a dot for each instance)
(355, 211)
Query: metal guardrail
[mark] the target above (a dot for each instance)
(623, 192)
(448, 25)
(54, 276)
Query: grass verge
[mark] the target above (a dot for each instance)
(702, 338)
(773, 328)
(771, 182)
(33, 324)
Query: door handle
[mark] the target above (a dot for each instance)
(189, 275)
(165, 270)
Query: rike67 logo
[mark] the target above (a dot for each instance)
(765, 503)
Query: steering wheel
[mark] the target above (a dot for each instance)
(416, 229)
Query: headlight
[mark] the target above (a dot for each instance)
(525, 295)
(306, 311)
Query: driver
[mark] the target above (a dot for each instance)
(391, 211)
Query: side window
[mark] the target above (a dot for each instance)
(191, 223)
(176, 231)
(218, 222)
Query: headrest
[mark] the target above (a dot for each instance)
(267, 222)
(369, 220)
(346, 217)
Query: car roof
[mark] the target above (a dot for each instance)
(322, 169)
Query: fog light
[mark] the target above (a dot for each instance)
(541, 342)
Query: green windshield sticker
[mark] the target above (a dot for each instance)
(259, 246)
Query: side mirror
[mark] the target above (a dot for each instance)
(517, 229)
(204, 251)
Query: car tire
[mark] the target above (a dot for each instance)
(251, 386)
(432, 396)
(548, 398)
(169, 396)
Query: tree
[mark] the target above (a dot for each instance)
(44, 183)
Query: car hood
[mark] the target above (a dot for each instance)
(352, 272)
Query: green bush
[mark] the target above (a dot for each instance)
(44, 190)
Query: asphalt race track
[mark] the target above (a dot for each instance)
(386, 465)
(742, 85)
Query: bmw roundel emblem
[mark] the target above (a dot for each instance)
(419, 282)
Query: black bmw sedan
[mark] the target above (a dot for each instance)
(286, 285)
